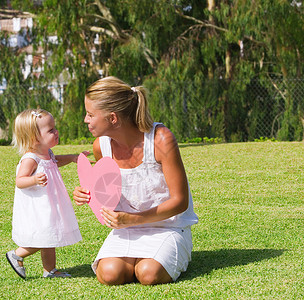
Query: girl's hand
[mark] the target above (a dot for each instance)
(81, 195)
(117, 219)
(86, 153)
(75, 156)
(40, 179)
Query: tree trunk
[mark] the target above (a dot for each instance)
(211, 6)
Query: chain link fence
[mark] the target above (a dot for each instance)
(281, 108)
(16, 98)
(234, 111)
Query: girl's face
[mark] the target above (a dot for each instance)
(97, 120)
(48, 132)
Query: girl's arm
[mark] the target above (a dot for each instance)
(168, 155)
(25, 177)
(63, 160)
(81, 195)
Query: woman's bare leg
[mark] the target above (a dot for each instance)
(115, 270)
(148, 271)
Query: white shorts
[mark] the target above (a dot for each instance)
(171, 247)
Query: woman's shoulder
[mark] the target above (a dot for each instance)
(163, 134)
(164, 141)
(96, 149)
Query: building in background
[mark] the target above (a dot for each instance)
(19, 26)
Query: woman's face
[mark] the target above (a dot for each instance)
(97, 120)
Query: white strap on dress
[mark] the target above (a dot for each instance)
(105, 146)
(149, 156)
(30, 155)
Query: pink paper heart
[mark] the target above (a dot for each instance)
(103, 180)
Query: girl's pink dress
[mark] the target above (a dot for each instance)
(43, 216)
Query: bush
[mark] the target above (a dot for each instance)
(78, 141)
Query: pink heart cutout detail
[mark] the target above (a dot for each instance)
(103, 180)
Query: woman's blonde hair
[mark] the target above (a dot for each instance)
(25, 130)
(113, 95)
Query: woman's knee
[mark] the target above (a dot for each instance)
(113, 272)
(150, 272)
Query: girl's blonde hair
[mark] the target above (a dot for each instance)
(25, 130)
(113, 95)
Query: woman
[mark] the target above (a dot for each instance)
(151, 238)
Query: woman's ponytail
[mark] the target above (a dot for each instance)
(143, 118)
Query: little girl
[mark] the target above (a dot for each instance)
(43, 215)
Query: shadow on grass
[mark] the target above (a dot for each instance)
(204, 262)
(81, 271)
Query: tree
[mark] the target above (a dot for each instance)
(240, 41)
(200, 59)
(124, 38)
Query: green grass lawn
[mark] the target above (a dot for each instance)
(248, 243)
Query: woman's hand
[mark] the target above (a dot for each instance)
(81, 195)
(118, 219)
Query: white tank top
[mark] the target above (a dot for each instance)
(145, 186)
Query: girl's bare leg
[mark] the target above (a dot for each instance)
(24, 252)
(48, 257)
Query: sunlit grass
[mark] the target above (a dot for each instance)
(248, 243)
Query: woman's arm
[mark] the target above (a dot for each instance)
(168, 155)
(25, 177)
